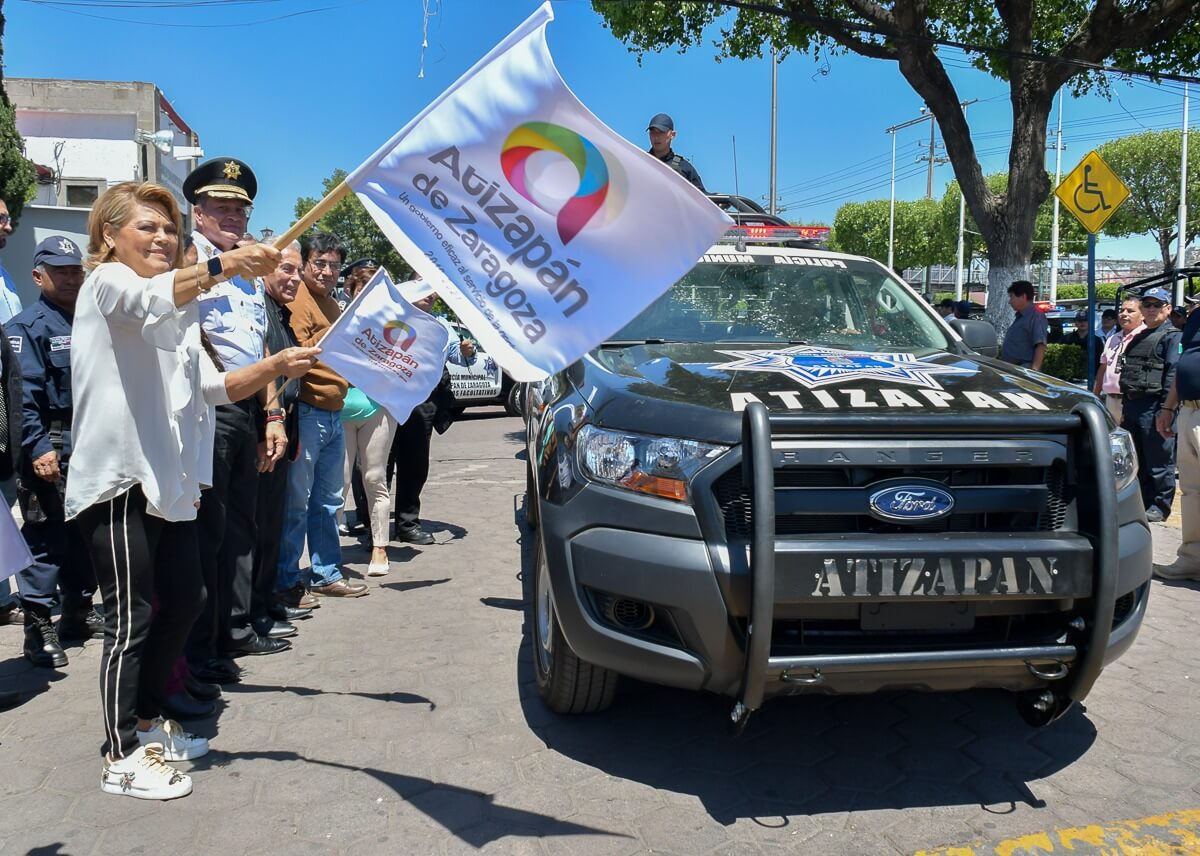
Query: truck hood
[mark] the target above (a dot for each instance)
(699, 390)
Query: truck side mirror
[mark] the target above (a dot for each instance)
(979, 336)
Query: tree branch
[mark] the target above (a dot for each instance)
(1106, 30)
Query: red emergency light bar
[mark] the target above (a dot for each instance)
(771, 234)
(1044, 306)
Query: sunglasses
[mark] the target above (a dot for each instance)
(1153, 304)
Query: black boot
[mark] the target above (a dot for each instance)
(80, 624)
(41, 640)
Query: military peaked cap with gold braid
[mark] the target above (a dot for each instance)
(226, 178)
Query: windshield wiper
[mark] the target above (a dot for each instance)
(629, 343)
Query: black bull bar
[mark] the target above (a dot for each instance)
(1086, 658)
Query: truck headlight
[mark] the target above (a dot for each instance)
(1124, 458)
(659, 466)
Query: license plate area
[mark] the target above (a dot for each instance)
(917, 615)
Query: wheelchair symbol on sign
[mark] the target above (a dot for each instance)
(1090, 188)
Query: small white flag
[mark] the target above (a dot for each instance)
(14, 552)
(386, 347)
(543, 230)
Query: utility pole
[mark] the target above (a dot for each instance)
(774, 124)
(1181, 241)
(934, 160)
(1058, 147)
(962, 223)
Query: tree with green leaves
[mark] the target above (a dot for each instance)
(862, 228)
(1072, 238)
(1148, 164)
(1036, 47)
(350, 221)
(18, 177)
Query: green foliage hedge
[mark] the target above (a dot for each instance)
(1066, 362)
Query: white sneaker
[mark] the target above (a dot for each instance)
(1177, 570)
(176, 744)
(378, 569)
(145, 775)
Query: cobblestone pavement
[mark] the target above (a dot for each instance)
(408, 722)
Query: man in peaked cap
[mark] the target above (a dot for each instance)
(40, 336)
(662, 132)
(233, 314)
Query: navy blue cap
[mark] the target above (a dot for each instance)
(1157, 294)
(662, 122)
(358, 263)
(1081, 315)
(57, 251)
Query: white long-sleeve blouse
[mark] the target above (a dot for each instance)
(143, 392)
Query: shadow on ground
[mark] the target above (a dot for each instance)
(814, 753)
(456, 808)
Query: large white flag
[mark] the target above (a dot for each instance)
(14, 552)
(387, 347)
(544, 230)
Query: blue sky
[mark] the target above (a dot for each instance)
(298, 96)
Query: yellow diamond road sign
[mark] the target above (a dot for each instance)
(1092, 192)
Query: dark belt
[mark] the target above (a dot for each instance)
(1137, 396)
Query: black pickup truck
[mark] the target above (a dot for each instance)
(788, 475)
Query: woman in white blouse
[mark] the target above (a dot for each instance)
(144, 391)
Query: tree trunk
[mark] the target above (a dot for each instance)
(1000, 277)
(1165, 239)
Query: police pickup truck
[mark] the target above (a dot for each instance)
(788, 475)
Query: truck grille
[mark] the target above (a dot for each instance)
(737, 509)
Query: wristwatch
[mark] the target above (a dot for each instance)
(215, 269)
(277, 412)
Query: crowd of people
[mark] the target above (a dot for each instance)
(1148, 376)
(174, 443)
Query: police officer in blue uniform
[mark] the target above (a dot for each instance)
(1147, 374)
(40, 337)
(662, 133)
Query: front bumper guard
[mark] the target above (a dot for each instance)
(1072, 668)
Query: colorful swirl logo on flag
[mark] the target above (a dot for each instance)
(564, 174)
(398, 330)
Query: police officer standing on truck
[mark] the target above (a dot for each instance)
(1147, 375)
(41, 340)
(662, 132)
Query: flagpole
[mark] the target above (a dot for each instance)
(318, 211)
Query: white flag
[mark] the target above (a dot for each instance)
(387, 347)
(542, 229)
(14, 552)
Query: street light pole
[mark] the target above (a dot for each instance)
(774, 122)
(962, 222)
(1181, 242)
(1058, 147)
(892, 204)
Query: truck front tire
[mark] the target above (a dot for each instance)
(567, 684)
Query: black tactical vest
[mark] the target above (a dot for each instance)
(1142, 365)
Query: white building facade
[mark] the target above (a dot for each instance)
(84, 137)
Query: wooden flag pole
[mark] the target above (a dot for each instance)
(318, 211)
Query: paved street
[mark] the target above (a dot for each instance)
(408, 722)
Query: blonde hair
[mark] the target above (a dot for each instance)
(114, 209)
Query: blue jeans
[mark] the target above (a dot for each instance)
(314, 495)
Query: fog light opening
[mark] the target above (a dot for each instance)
(628, 614)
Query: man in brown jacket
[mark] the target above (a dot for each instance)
(314, 492)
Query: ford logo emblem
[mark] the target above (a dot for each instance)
(910, 503)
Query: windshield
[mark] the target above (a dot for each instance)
(810, 300)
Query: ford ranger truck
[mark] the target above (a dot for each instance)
(788, 475)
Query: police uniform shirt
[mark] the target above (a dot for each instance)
(233, 314)
(1026, 333)
(1187, 371)
(682, 166)
(40, 337)
(10, 301)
